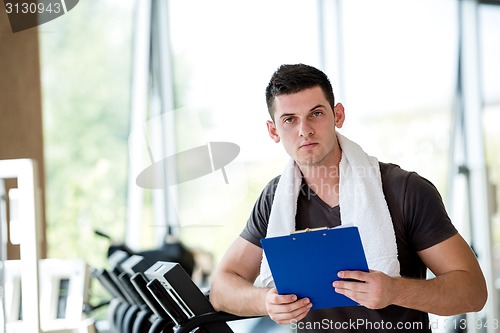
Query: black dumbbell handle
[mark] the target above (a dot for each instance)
(167, 301)
(108, 283)
(127, 284)
(140, 282)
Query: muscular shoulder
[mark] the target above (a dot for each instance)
(256, 227)
(416, 207)
(392, 173)
(401, 185)
(407, 185)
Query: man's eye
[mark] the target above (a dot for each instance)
(317, 113)
(288, 120)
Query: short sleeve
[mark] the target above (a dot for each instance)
(256, 227)
(428, 222)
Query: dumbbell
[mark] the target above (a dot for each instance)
(117, 274)
(159, 321)
(119, 304)
(181, 298)
(140, 312)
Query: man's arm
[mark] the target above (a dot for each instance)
(233, 287)
(458, 287)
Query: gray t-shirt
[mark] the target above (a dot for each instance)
(420, 221)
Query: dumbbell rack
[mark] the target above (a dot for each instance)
(157, 298)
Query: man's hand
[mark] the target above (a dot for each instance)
(285, 309)
(374, 289)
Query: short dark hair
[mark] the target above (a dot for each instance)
(290, 79)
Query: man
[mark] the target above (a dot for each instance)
(304, 119)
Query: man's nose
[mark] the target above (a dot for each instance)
(305, 129)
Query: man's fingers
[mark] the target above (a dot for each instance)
(350, 285)
(283, 309)
(284, 314)
(355, 275)
(371, 289)
(283, 299)
(288, 317)
(275, 298)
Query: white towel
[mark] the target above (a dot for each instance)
(362, 203)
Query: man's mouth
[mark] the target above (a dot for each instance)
(308, 145)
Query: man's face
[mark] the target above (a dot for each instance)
(305, 124)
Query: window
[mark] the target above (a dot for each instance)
(85, 61)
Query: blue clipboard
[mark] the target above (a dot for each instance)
(307, 263)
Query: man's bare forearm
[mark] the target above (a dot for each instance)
(449, 294)
(459, 285)
(233, 294)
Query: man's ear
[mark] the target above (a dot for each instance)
(273, 133)
(339, 113)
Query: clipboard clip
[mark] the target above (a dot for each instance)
(308, 230)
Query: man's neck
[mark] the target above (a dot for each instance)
(324, 180)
